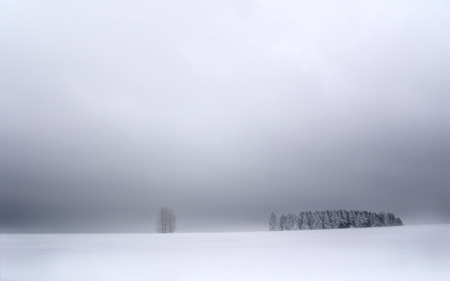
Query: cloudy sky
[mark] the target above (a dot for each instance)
(221, 110)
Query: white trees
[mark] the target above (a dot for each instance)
(283, 219)
(304, 225)
(361, 219)
(333, 219)
(291, 222)
(326, 221)
(273, 222)
(166, 221)
(316, 221)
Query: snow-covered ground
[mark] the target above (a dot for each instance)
(389, 253)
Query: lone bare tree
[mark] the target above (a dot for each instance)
(166, 221)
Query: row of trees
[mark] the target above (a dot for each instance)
(332, 219)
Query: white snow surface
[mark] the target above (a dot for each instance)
(385, 253)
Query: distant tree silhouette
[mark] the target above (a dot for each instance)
(166, 221)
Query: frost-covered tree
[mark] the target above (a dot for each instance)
(291, 222)
(361, 219)
(352, 218)
(282, 223)
(273, 222)
(337, 219)
(304, 225)
(334, 219)
(316, 221)
(374, 220)
(391, 220)
(301, 220)
(343, 215)
(309, 215)
(384, 219)
(326, 224)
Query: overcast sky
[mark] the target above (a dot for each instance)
(222, 111)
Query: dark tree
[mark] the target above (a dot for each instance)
(166, 221)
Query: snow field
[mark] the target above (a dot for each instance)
(385, 253)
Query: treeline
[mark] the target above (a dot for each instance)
(332, 219)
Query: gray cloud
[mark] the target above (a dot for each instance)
(221, 111)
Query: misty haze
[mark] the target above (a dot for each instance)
(134, 118)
